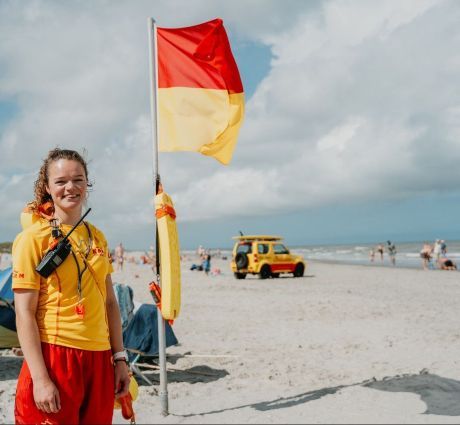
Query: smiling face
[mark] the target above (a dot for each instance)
(67, 185)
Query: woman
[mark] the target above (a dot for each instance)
(380, 251)
(447, 264)
(426, 255)
(207, 263)
(119, 256)
(68, 324)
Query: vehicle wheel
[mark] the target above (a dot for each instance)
(241, 260)
(265, 272)
(299, 269)
(240, 275)
(275, 275)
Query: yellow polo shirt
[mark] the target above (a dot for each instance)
(58, 321)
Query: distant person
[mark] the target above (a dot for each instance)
(151, 256)
(216, 271)
(207, 263)
(392, 252)
(437, 250)
(443, 248)
(447, 264)
(196, 267)
(380, 251)
(372, 255)
(119, 256)
(144, 259)
(426, 255)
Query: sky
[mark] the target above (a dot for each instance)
(351, 132)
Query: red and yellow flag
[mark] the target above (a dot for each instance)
(200, 94)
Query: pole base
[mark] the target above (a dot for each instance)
(163, 396)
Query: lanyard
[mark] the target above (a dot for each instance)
(79, 308)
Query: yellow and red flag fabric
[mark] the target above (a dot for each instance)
(200, 94)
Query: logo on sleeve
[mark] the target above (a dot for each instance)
(98, 251)
(18, 275)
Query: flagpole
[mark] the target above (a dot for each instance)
(153, 65)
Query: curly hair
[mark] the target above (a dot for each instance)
(41, 195)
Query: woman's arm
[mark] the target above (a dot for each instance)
(46, 395)
(116, 340)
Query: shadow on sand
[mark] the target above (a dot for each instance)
(149, 366)
(441, 395)
(193, 375)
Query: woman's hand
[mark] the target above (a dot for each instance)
(46, 396)
(122, 379)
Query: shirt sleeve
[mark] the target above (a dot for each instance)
(104, 245)
(26, 256)
(107, 250)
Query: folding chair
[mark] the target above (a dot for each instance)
(125, 299)
(140, 338)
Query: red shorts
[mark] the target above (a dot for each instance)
(85, 380)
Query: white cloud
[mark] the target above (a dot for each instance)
(338, 137)
(361, 102)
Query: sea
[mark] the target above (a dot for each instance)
(408, 254)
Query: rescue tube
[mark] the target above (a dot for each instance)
(31, 214)
(126, 403)
(169, 256)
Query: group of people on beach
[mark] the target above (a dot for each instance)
(432, 255)
(438, 253)
(380, 249)
(205, 260)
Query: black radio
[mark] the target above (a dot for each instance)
(55, 256)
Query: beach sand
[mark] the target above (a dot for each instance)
(344, 344)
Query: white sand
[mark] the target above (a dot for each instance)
(301, 350)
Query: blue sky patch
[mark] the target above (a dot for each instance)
(8, 110)
(253, 60)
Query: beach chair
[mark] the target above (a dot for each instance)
(140, 329)
(125, 299)
(140, 338)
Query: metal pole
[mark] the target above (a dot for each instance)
(163, 391)
(153, 67)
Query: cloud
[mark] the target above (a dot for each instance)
(360, 102)
(338, 137)
(373, 85)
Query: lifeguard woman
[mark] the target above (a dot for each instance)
(68, 323)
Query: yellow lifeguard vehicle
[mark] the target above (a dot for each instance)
(264, 255)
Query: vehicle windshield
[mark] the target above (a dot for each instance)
(280, 249)
(245, 248)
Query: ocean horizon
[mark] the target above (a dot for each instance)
(407, 253)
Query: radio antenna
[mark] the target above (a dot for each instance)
(74, 227)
